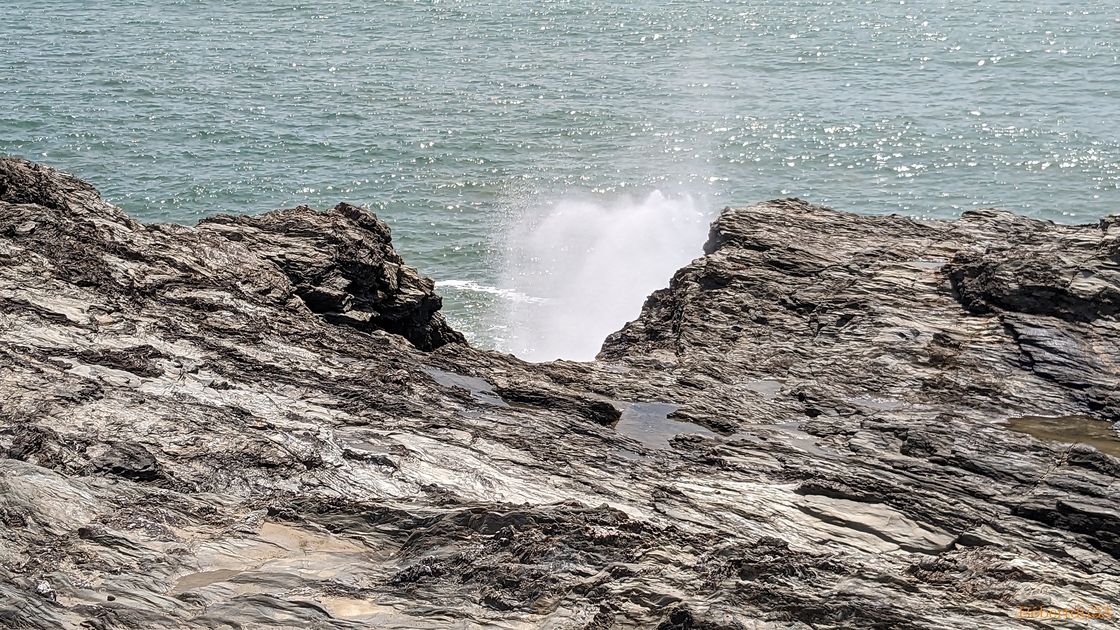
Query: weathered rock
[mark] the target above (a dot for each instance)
(343, 266)
(238, 425)
(534, 395)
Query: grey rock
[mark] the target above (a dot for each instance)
(129, 460)
(263, 422)
(342, 265)
(44, 590)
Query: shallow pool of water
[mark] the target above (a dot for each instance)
(1071, 430)
(768, 387)
(480, 389)
(203, 579)
(650, 424)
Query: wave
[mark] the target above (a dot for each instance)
(471, 285)
(592, 262)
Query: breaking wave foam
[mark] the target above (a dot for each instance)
(592, 263)
(471, 285)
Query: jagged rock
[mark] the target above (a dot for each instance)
(239, 424)
(342, 264)
(129, 460)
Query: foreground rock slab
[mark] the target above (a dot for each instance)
(264, 422)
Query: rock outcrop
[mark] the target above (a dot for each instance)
(264, 422)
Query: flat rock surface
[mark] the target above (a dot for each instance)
(264, 422)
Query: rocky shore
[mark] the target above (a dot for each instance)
(827, 421)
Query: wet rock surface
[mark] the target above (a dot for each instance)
(242, 425)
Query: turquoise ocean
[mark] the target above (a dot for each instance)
(550, 163)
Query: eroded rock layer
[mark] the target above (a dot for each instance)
(264, 422)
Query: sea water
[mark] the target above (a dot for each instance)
(551, 163)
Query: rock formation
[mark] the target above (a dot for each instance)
(264, 422)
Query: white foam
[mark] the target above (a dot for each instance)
(471, 285)
(592, 262)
